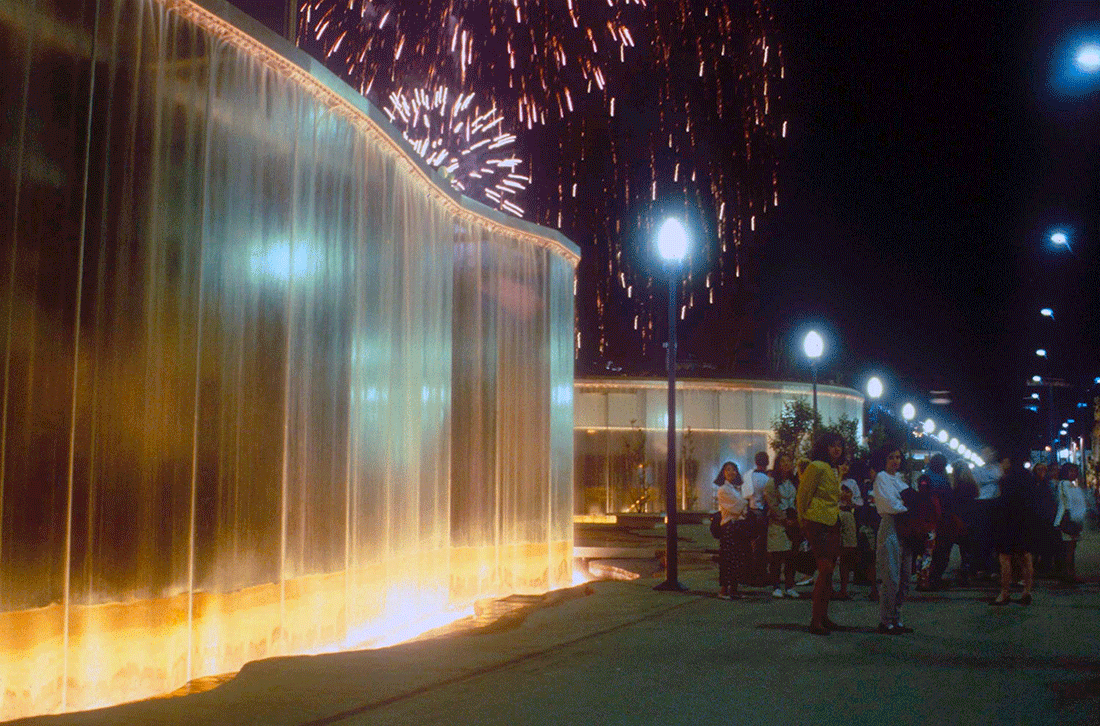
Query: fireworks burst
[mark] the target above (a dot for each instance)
(538, 56)
(468, 145)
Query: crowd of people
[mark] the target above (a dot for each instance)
(868, 520)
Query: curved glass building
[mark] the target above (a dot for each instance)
(620, 439)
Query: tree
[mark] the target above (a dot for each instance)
(848, 428)
(791, 431)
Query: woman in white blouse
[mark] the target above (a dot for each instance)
(734, 539)
(1071, 502)
(893, 559)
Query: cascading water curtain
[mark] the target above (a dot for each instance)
(265, 389)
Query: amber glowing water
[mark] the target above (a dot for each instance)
(266, 388)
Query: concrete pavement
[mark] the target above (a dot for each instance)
(617, 652)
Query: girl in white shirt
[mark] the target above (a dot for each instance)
(893, 559)
(1071, 501)
(733, 542)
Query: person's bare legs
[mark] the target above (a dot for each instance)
(823, 592)
(1070, 560)
(1006, 577)
(845, 575)
(1028, 567)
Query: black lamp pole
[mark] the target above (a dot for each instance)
(672, 574)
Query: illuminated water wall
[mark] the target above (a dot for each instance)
(621, 444)
(267, 387)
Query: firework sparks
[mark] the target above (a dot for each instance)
(539, 54)
(467, 144)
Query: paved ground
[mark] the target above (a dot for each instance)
(617, 652)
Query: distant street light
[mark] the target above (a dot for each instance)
(672, 244)
(814, 345)
(1088, 58)
(942, 436)
(1059, 238)
(1047, 313)
(1037, 379)
(874, 387)
(1035, 396)
(908, 412)
(1041, 353)
(874, 392)
(954, 444)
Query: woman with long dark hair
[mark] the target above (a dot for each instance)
(893, 558)
(734, 531)
(818, 505)
(1016, 524)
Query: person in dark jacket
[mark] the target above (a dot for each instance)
(940, 488)
(1016, 525)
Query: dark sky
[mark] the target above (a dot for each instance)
(928, 157)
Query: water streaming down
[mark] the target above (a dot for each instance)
(266, 389)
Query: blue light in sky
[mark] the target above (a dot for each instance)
(1088, 58)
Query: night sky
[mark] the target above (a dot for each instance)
(928, 158)
(931, 151)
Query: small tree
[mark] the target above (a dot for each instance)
(635, 469)
(792, 430)
(848, 428)
(689, 470)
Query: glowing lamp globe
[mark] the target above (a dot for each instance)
(1047, 313)
(1059, 238)
(1088, 58)
(874, 387)
(954, 444)
(908, 412)
(813, 345)
(672, 241)
(1041, 353)
(942, 436)
(1037, 379)
(929, 426)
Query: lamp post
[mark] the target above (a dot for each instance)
(874, 392)
(672, 244)
(813, 345)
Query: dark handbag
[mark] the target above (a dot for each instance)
(716, 525)
(1068, 526)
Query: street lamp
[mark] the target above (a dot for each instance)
(942, 436)
(954, 444)
(1036, 379)
(874, 387)
(672, 244)
(929, 426)
(908, 412)
(1088, 58)
(814, 346)
(1041, 353)
(1047, 313)
(874, 392)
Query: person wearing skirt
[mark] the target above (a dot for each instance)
(735, 536)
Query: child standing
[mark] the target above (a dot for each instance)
(849, 549)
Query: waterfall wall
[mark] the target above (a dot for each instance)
(268, 387)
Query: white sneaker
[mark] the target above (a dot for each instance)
(777, 592)
(791, 593)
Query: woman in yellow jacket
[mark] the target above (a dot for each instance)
(818, 505)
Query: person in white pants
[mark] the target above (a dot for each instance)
(893, 560)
